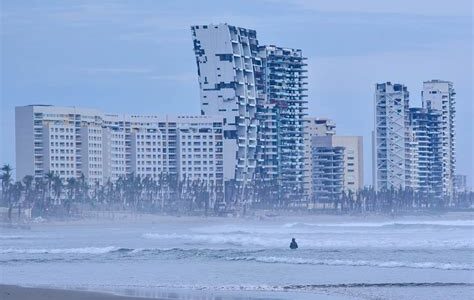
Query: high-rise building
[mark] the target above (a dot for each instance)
(390, 137)
(414, 147)
(425, 161)
(440, 95)
(225, 57)
(260, 92)
(283, 91)
(353, 161)
(72, 142)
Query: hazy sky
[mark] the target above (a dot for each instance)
(136, 56)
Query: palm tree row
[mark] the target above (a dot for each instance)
(50, 195)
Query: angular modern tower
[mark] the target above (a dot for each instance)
(225, 57)
(440, 95)
(260, 92)
(391, 138)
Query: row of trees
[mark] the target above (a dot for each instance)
(51, 195)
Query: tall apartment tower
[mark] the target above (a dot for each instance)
(225, 57)
(282, 96)
(425, 153)
(391, 137)
(440, 95)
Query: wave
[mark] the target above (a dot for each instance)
(85, 250)
(285, 288)
(358, 263)
(452, 223)
(15, 237)
(279, 242)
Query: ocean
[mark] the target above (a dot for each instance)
(246, 258)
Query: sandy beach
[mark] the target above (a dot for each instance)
(12, 292)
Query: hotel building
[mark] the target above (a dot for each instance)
(71, 141)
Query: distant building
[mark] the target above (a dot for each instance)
(440, 95)
(391, 136)
(353, 161)
(460, 183)
(314, 127)
(225, 57)
(425, 152)
(283, 92)
(260, 91)
(72, 141)
(327, 170)
(415, 147)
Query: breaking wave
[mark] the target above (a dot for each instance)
(453, 223)
(85, 250)
(339, 262)
(278, 242)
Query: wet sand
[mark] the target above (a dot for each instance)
(13, 292)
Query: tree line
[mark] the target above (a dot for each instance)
(52, 196)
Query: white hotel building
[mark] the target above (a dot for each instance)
(71, 141)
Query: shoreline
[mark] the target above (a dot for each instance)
(16, 292)
(112, 217)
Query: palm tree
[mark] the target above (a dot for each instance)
(17, 189)
(57, 187)
(6, 178)
(49, 176)
(29, 193)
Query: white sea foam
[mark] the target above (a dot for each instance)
(341, 262)
(310, 242)
(462, 223)
(85, 250)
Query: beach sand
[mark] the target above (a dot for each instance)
(13, 292)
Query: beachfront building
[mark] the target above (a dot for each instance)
(327, 171)
(414, 147)
(336, 167)
(390, 137)
(283, 97)
(225, 57)
(440, 95)
(314, 127)
(260, 93)
(75, 142)
(425, 153)
(353, 159)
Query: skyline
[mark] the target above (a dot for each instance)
(60, 78)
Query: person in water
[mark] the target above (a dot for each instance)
(293, 244)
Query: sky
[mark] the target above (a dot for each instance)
(137, 56)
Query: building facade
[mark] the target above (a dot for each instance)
(260, 92)
(425, 163)
(440, 95)
(415, 147)
(353, 161)
(283, 93)
(75, 142)
(391, 137)
(225, 57)
(314, 127)
(327, 170)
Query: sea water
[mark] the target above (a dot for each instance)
(214, 258)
